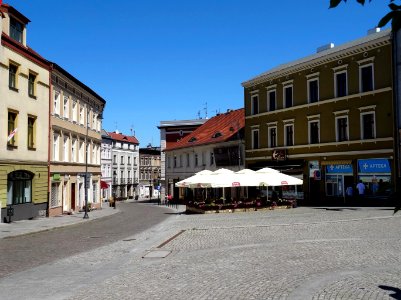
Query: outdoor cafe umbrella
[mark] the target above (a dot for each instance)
(271, 177)
(197, 180)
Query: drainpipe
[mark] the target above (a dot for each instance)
(48, 139)
(396, 39)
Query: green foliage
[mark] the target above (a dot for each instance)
(394, 15)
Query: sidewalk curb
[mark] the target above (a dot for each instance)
(52, 227)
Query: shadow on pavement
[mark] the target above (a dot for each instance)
(397, 291)
(337, 208)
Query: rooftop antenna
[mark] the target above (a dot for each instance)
(199, 116)
(132, 130)
(205, 108)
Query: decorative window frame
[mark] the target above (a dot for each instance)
(253, 132)
(341, 115)
(337, 71)
(271, 89)
(313, 119)
(288, 84)
(308, 88)
(367, 63)
(253, 110)
(371, 109)
(288, 123)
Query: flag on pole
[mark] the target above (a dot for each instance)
(12, 133)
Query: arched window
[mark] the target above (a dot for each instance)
(19, 187)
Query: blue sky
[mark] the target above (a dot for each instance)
(157, 60)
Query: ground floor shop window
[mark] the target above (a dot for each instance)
(375, 173)
(19, 187)
(334, 185)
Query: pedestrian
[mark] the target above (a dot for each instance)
(361, 188)
(349, 191)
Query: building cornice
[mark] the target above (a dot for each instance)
(319, 59)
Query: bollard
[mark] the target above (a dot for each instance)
(10, 212)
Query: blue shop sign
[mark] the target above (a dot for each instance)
(379, 165)
(344, 168)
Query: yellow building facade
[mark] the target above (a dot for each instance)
(24, 122)
(328, 119)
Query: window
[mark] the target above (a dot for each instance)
(272, 137)
(65, 148)
(188, 161)
(288, 96)
(16, 30)
(12, 76)
(66, 108)
(181, 165)
(314, 132)
(94, 121)
(74, 111)
(31, 85)
(254, 104)
(81, 152)
(313, 90)
(342, 128)
(122, 160)
(19, 187)
(129, 160)
(368, 125)
(56, 103)
(175, 161)
(196, 159)
(272, 100)
(255, 139)
(56, 156)
(12, 128)
(341, 84)
(212, 158)
(31, 132)
(81, 115)
(74, 150)
(366, 78)
(134, 161)
(289, 135)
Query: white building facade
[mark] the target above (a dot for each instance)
(125, 166)
(76, 120)
(106, 166)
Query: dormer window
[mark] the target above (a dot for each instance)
(16, 30)
(217, 134)
(192, 139)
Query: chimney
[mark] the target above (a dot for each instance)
(373, 30)
(325, 47)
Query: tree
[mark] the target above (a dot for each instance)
(394, 15)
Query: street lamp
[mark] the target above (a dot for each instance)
(150, 189)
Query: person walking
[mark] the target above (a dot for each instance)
(361, 188)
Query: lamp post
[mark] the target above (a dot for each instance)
(86, 216)
(150, 190)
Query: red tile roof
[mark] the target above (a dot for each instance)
(123, 138)
(216, 130)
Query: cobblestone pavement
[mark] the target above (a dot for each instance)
(302, 253)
